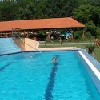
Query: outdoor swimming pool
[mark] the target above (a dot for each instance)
(33, 76)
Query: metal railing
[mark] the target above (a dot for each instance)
(15, 37)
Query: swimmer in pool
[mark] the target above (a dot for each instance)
(55, 61)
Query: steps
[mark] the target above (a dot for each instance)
(8, 46)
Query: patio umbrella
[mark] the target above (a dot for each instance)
(65, 34)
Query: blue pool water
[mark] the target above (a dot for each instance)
(33, 76)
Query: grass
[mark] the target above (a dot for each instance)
(55, 45)
(97, 54)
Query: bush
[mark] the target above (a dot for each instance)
(91, 27)
(78, 35)
(90, 49)
(88, 35)
(98, 32)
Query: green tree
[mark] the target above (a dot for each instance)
(90, 27)
(98, 32)
(25, 9)
(90, 16)
(8, 10)
(95, 15)
(61, 8)
(83, 13)
(40, 9)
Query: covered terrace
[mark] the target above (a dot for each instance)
(31, 26)
(25, 28)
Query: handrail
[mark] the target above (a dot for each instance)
(13, 37)
(22, 41)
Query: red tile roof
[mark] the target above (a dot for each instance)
(66, 22)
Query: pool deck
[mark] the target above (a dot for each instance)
(54, 49)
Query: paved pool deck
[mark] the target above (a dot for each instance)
(53, 49)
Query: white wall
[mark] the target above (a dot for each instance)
(31, 45)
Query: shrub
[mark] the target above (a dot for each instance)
(98, 32)
(78, 35)
(90, 49)
(88, 35)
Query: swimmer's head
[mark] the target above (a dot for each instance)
(54, 59)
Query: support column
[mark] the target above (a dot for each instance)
(72, 31)
(83, 34)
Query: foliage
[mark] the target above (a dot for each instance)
(90, 27)
(98, 32)
(78, 34)
(42, 32)
(36, 9)
(89, 14)
(88, 35)
(90, 49)
(85, 11)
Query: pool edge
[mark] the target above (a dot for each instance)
(92, 68)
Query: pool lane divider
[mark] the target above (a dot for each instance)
(50, 85)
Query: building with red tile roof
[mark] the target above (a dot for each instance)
(52, 23)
